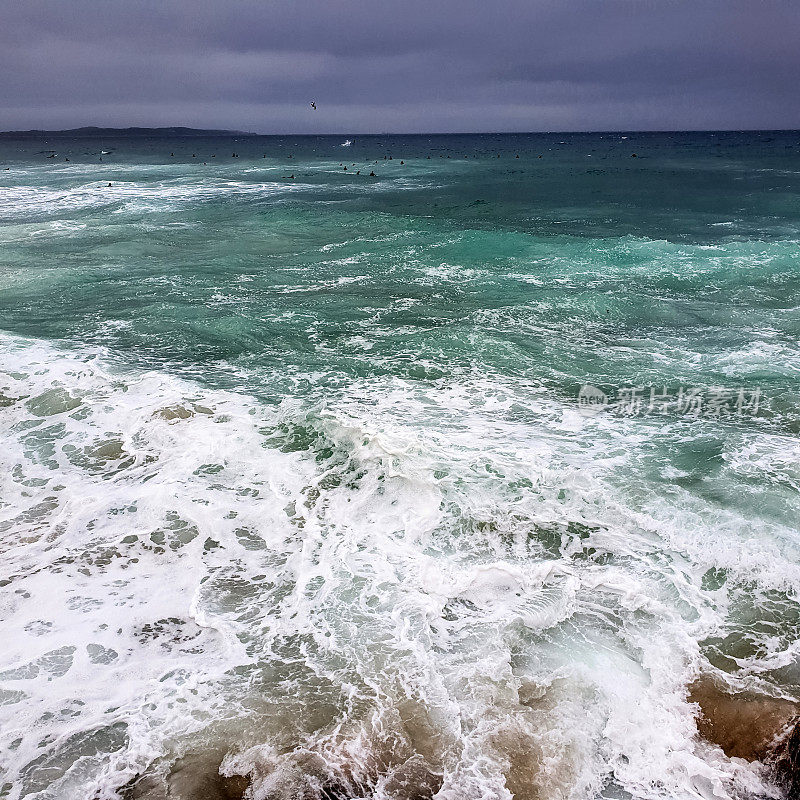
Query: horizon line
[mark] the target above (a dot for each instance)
(233, 132)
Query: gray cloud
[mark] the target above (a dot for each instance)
(446, 65)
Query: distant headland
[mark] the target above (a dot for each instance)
(92, 132)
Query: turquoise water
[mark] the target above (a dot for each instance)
(295, 468)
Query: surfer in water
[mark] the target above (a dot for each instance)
(313, 105)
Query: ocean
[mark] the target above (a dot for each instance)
(453, 481)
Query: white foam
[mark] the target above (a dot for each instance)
(447, 582)
(25, 201)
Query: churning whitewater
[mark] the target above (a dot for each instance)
(295, 485)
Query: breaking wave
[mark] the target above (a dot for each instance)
(396, 589)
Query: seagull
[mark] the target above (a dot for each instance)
(313, 105)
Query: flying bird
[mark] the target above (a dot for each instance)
(313, 105)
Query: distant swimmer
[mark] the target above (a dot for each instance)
(372, 175)
(109, 185)
(313, 105)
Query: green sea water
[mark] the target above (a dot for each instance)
(297, 469)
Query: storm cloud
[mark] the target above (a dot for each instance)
(417, 65)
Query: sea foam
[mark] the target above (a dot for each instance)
(395, 591)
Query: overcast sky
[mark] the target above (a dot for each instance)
(415, 65)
